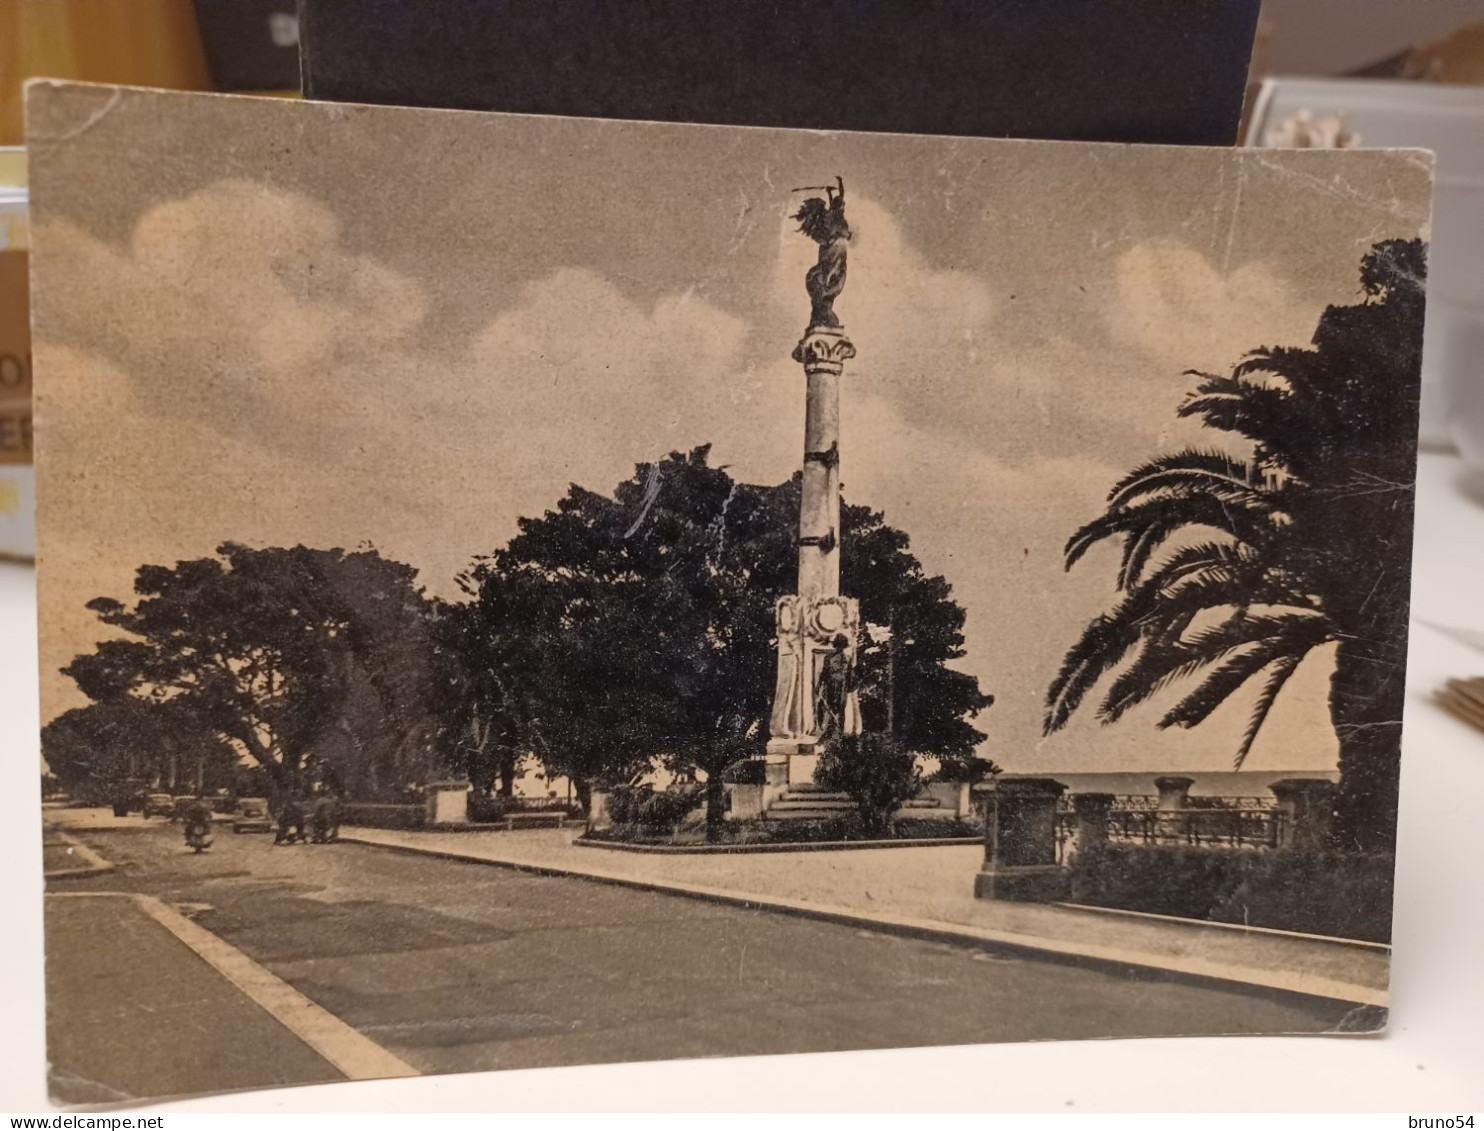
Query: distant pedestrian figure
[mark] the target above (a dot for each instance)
(324, 823)
(196, 819)
(291, 818)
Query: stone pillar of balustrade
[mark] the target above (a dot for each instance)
(1092, 811)
(1020, 840)
(1174, 792)
(1305, 809)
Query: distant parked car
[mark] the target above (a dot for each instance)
(252, 816)
(159, 805)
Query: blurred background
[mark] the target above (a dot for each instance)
(1344, 37)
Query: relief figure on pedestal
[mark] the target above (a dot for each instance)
(833, 691)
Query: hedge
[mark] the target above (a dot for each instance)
(1313, 892)
(655, 811)
(383, 816)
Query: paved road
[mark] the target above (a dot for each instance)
(456, 967)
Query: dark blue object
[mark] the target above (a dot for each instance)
(1171, 71)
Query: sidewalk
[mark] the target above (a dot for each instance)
(133, 1014)
(95, 820)
(929, 892)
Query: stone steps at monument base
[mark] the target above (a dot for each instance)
(815, 803)
(799, 805)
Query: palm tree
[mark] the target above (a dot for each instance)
(1235, 568)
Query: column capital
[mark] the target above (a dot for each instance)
(1174, 782)
(1024, 785)
(824, 349)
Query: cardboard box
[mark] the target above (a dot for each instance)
(17, 484)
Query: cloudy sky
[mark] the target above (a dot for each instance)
(281, 322)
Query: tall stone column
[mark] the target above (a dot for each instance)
(823, 353)
(812, 621)
(817, 628)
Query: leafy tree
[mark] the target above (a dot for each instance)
(390, 727)
(541, 668)
(876, 770)
(99, 750)
(610, 625)
(906, 687)
(1234, 569)
(491, 656)
(639, 626)
(281, 652)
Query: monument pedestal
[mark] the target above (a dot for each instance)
(802, 768)
(807, 629)
(447, 802)
(788, 762)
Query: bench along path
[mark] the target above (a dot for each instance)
(929, 891)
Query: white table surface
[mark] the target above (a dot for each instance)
(1430, 1061)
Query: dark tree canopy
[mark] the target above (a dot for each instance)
(620, 629)
(95, 751)
(282, 652)
(1235, 569)
(907, 686)
(609, 632)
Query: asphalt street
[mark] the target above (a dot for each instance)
(457, 967)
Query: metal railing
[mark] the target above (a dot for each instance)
(1249, 823)
(1139, 802)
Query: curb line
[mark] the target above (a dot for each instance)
(93, 863)
(753, 849)
(1192, 970)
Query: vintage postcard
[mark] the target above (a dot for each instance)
(524, 591)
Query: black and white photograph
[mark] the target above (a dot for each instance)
(520, 591)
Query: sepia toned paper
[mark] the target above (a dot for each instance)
(614, 590)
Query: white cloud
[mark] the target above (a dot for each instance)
(282, 388)
(595, 383)
(1180, 310)
(249, 291)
